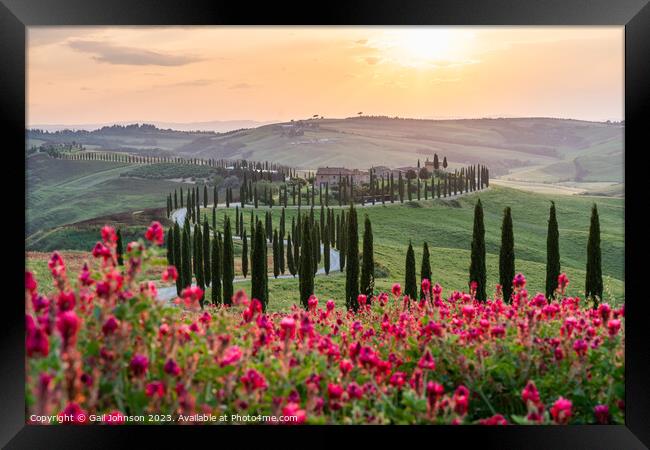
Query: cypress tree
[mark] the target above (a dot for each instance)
(290, 264)
(207, 272)
(228, 263)
(276, 255)
(352, 268)
(410, 282)
(367, 282)
(186, 264)
(326, 250)
(552, 253)
(477, 270)
(216, 270)
(594, 278)
(244, 254)
(198, 258)
(170, 245)
(306, 271)
(507, 255)
(205, 195)
(178, 258)
(259, 273)
(120, 248)
(425, 269)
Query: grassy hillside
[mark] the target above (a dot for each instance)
(526, 149)
(447, 227)
(60, 191)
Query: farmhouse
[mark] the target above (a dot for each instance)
(332, 175)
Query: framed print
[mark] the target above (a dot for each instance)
(414, 216)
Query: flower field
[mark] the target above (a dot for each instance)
(103, 345)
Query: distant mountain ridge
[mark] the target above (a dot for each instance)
(218, 126)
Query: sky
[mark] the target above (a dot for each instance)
(80, 75)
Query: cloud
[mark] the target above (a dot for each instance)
(361, 41)
(115, 54)
(372, 60)
(241, 86)
(192, 83)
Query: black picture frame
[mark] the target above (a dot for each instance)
(16, 15)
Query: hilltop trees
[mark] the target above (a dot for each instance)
(410, 282)
(425, 270)
(352, 267)
(228, 266)
(594, 278)
(507, 255)
(552, 253)
(367, 282)
(477, 271)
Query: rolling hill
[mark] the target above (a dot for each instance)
(524, 149)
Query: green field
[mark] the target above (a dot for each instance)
(61, 192)
(447, 227)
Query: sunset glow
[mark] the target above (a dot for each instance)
(189, 74)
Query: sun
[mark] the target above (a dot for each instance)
(424, 46)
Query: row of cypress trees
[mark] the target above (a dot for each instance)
(477, 270)
(594, 279)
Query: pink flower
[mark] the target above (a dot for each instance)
(114, 417)
(30, 282)
(293, 410)
(170, 273)
(346, 366)
(110, 325)
(100, 250)
(561, 410)
(56, 265)
(253, 380)
(155, 233)
(139, 365)
(530, 393)
(171, 367)
(231, 356)
(427, 361)
(37, 342)
(355, 391)
(334, 391)
(396, 290)
(497, 419)
(108, 235)
(613, 326)
(601, 412)
(519, 282)
(398, 379)
(68, 323)
(604, 310)
(312, 303)
(562, 282)
(288, 327)
(362, 299)
(580, 347)
(75, 412)
(426, 286)
(330, 305)
(461, 400)
(155, 388)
